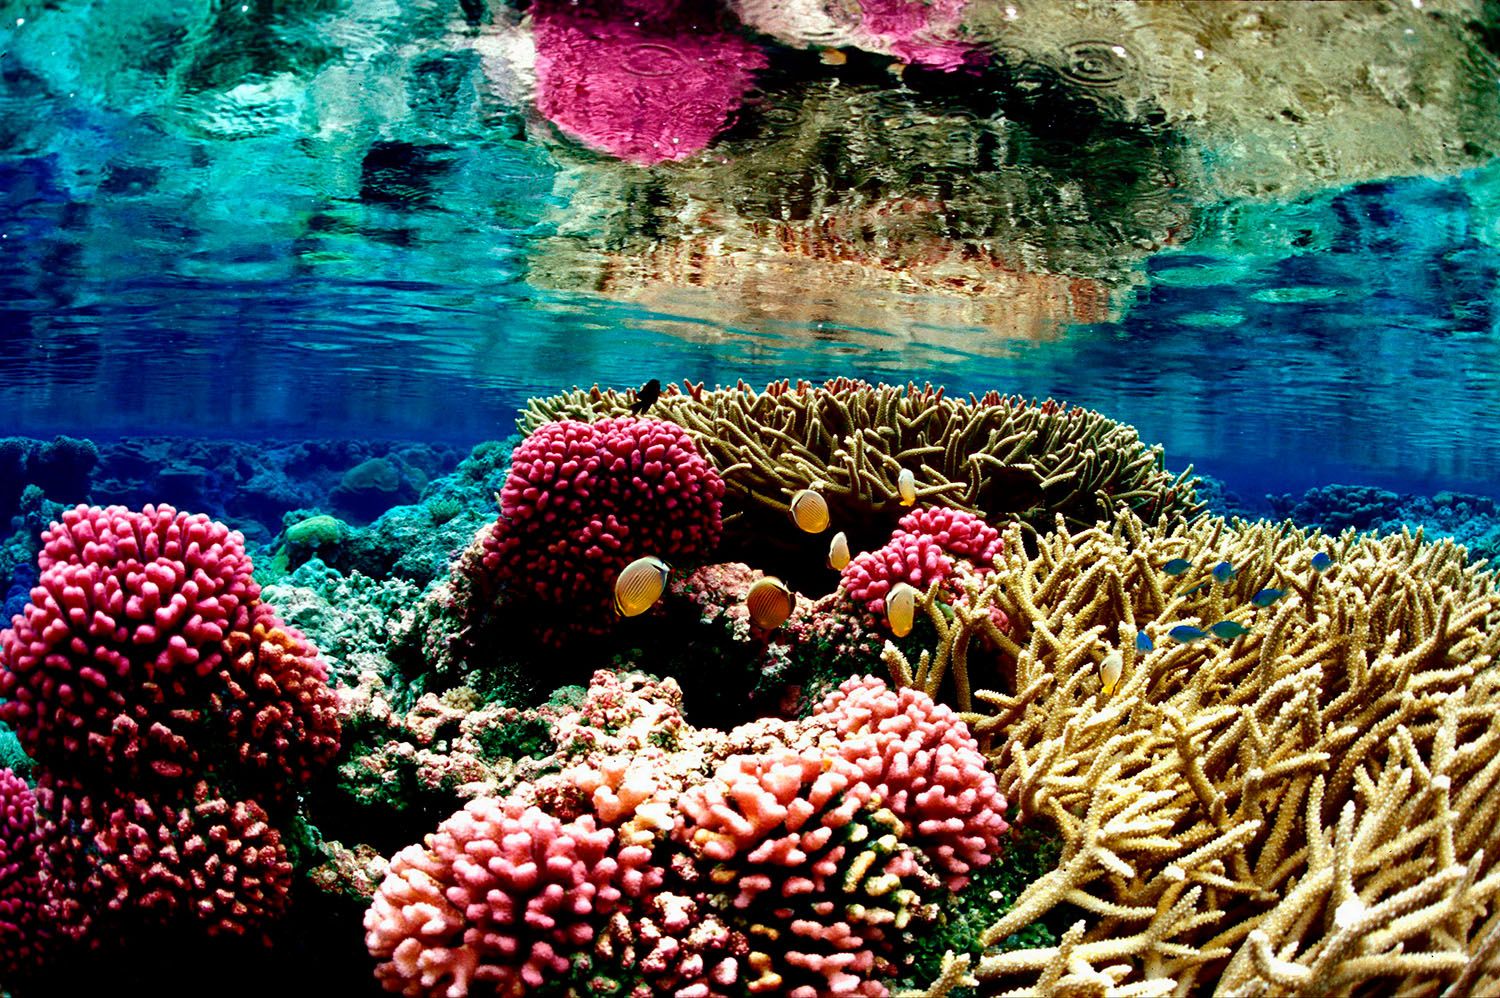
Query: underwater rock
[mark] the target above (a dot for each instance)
(352, 618)
(1470, 520)
(61, 468)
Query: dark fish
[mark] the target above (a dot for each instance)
(1267, 596)
(1186, 633)
(1223, 572)
(1321, 562)
(1177, 566)
(1228, 629)
(646, 397)
(1196, 589)
(1143, 641)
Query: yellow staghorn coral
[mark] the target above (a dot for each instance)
(1311, 807)
(992, 455)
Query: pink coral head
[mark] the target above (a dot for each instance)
(915, 559)
(925, 766)
(926, 33)
(648, 83)
(958, 532)
(583, 500)
(106, 665)
(501, 893)
(23, 933)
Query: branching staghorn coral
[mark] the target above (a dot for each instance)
(1309, 807)
(991, 455)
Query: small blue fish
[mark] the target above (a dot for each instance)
(1321, 562)
(1223, 572)
(1143, 641)
(1186, 633)
(1266, 597)
(1196, 589)
(1177, 566)
(1229, 629)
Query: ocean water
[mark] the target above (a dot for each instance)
(249, 248)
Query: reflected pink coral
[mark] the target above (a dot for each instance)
(924, 32)
(646, 82)
(126, 601)
(501, 894)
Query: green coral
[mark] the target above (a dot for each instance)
(316, 531)
(444, 509)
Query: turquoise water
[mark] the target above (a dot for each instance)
(341, 220)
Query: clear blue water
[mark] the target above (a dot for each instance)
(340, 220)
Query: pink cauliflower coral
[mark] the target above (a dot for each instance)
(922, 763)
(275, 705)
(931, 544)
(501, 894)
(118, 862)
(22, 931)
(126, 601)
(583, 500)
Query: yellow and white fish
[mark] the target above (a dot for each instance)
(1110, 671)
(906, 487)
(838, 551)
(901, 608)
(810, 511)
(640, 585)
(770, 603)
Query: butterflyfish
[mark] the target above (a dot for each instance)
(1110, 670)
(770, 603)
(838, 551)
(810, 511)
(901, 608)
(640, 585)
(906, 487)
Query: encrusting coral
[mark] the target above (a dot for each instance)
(1304, 806)
(993, 455)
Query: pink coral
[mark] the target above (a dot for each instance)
(116, 863)
(276, 706)
(925, 766)
(22, 931)
(924, 32)
(646, 82)
(583, 500)
(107, 665)
(501, 894)
(931, 544)
(957, 532)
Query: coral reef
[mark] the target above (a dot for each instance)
(1302, 808)
(994, 456)
(1470, 520)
